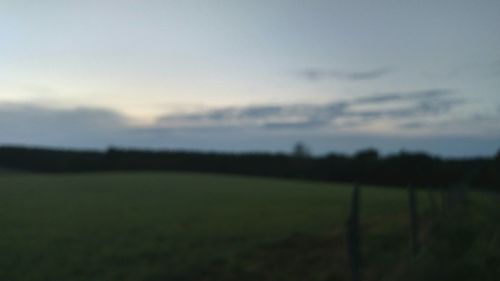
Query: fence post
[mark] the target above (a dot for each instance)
(414, 223)
(353, 237)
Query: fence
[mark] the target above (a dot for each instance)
(449, 199)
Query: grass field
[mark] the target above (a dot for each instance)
(175, 226)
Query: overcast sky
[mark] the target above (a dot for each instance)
(252, 75)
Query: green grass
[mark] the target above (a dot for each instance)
(175, 226)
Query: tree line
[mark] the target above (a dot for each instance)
(366, 166)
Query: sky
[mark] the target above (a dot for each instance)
(256, 75)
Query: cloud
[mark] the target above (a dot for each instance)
(78, 117)
(412, 125)
(421, 108)
(431, 94)
(250, 128)
(293, 125)
(430, 102)
(229, 113)
(310, 116)
(266, 116)
(31, 123)
(316, 74)
(26, 123)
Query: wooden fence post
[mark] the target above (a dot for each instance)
(353, 236)
(414, 223)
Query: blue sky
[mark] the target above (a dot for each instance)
(252, 75)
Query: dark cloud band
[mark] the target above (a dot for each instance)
(311, 116)
(316, 74)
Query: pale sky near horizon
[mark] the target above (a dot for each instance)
(252, 75)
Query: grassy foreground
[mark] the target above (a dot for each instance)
(174, 226)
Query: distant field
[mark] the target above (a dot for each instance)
(175, 226)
